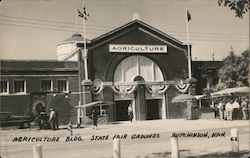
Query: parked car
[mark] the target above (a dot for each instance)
(8, 119)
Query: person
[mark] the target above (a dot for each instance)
(244, 108)
(94, 117)
(221, 108)
(52, 119)
(235, 109)
(229, 110)
(56, 120)
(43, 120)
(130, 112)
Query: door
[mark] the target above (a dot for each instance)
(153, 109)
(121, 110)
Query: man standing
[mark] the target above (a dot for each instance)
(244, 108)
(221, 109)
(130, 113)
(52, 119)
(229, 110)
(235, 109)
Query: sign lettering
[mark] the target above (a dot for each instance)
(126, 48)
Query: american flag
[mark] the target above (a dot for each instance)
(84, 14)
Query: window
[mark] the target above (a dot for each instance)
(46, 85)
(134, 66)
(4, 87)
(19, 86)
(62, 85)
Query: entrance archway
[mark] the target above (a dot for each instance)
(143, 69)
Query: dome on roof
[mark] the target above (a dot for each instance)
(67, 47)
(75, 38)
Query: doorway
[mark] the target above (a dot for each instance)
(121, 110)
(153, 109)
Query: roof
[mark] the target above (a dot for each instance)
(135, 24)
(229, 91)
(74, 38)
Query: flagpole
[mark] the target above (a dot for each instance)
(189, 55)
(85, 51)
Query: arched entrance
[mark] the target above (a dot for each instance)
(38, 107)
(145, 105)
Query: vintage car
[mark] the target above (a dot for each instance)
(7, 119)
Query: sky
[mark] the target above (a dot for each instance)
(31, 29)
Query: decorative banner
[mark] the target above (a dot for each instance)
(98, 86)
(157, 89)
(183, 88)
(124, 90)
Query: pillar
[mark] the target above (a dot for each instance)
(164, 114)
(140, 103)
(87, 98)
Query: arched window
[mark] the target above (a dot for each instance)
(134, 66)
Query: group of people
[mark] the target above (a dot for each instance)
(50, 121)
(230, 109)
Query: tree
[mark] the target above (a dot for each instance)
(235, 70)
(239, 6)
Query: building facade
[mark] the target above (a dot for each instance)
(134, 64)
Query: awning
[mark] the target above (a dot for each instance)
(182, 98)
(198, 97)
(96, 103)
(239, 91)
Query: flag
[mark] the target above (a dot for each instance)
(85, 11)
(83, 14)
(188, 16)
(80, 13)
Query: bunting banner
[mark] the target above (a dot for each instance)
(98, 86)
(182, 88)
(157, 89)
(124, 90)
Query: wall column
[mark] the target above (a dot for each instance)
(87, 97)
(140, 103)
(164, 117)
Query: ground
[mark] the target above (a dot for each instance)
(142, 139)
